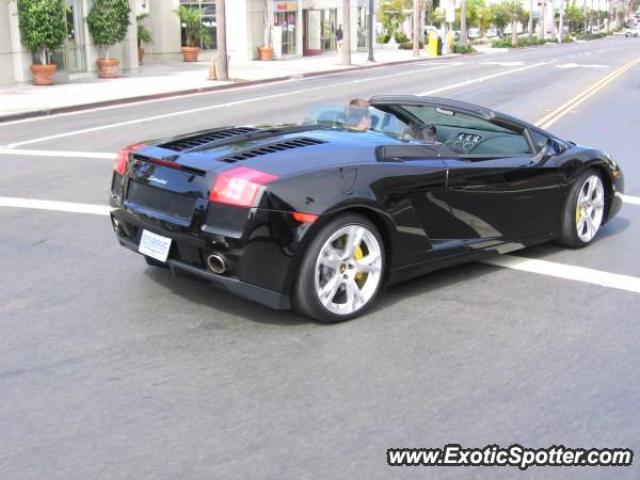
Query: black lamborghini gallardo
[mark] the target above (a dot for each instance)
(319, 216)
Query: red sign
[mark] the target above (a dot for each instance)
(286, 6)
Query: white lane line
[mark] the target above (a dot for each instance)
(480, 79)
(542, 267)
(581, 65)
(256, 99)
(567, 272)
(58, 153)
(629, 199)
(54, 206)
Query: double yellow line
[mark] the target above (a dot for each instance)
(554, 116)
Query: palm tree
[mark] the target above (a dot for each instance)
(416, 27)
(222, 72)
(346, 32)
(463, 23)
(542, 27)
(530, 24)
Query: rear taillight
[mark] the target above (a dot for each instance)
(240, 186)
(122, 161)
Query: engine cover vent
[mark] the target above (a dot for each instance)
(273, 148)
(200, 140)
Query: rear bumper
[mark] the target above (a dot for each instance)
(270, 298)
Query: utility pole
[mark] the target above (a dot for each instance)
(561, 34)
(463, 23)
(222, 72)
(554, 33)
(416, 28)
(530, 25)
(542, 27)
(372, 34)
(346, 32)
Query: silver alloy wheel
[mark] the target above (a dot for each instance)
(348, 269)
(590, 208)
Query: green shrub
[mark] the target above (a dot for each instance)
(144, 35)
(108, 22)
(522, 42)
(460, 49)
(401, 37)
(409, 45)
(384, 38)
(590, 36)
(42, 26)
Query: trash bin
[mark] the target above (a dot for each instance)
(432, 48)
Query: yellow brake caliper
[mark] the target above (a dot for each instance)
(360, 276)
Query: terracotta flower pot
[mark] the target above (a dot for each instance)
(43, 74)
(190, 54)
(140, 55)
(265, 53)
(107, 67)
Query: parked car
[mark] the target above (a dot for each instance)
(430, 29)
(319, 216)
(632, 32)
(491, 33)
(474, 33)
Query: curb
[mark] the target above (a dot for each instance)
(180, 93)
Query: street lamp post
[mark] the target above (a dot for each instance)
(372, 36)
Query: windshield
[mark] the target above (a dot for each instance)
(358, 118)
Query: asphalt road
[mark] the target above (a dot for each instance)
(112, 369)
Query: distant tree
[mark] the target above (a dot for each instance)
(517, 15)
(500, 15)
(574, 17)
(391, 14)
(485, 18)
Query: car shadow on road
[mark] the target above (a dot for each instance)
(203, 293)
(431, 282)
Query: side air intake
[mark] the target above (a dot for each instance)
(206, 138)
(273, 148)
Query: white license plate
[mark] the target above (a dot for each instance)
(154, 246)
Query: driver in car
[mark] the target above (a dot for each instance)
(358, 115)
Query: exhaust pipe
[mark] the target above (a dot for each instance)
(217, 263)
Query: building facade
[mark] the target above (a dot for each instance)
(296, 28)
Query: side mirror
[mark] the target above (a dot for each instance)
(552, 148)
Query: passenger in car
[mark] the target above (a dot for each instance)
(415, 131)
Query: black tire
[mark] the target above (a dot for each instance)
(152, 262)
(305, 299)
(568, 236)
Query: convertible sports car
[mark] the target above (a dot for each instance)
(319, 216)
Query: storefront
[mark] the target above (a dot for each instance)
(71, 58)
(320, 27)
(285, 17)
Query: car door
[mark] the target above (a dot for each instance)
(505, 188)
(410, 185)
(500, 184)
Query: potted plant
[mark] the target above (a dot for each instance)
(144, 36)
(42, 27)
(108, 23)
(265, 52)
(195, 32)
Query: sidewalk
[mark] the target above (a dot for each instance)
(171, 78)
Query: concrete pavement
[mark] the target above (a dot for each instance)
(111, 369)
